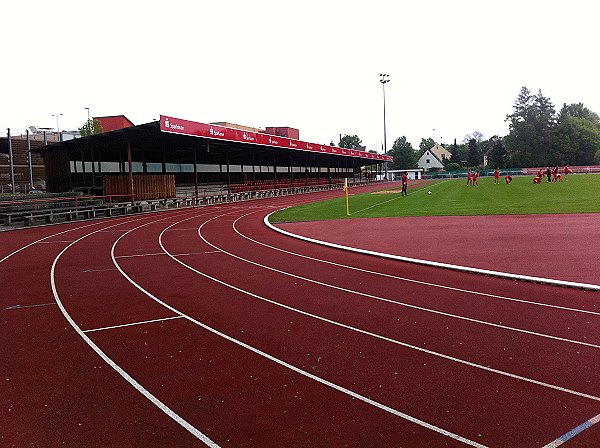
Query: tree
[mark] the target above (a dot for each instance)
(426, 143)
(580, 111)
(476, 135)
(349, 141)
(473, 153)
(90, 127)
(576, 141)
(532, 124)
(498, 154)
(521, 107)
(404, 155)
(459, 153)
(452, 166)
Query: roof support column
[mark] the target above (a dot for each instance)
(253, 168)
(228, 174)
(274, 168)
(83, 168)
(318, 168)
(195, 174)
(130, 162)
(93, 168)
(306, 172)
(29, 161)
(12, 162)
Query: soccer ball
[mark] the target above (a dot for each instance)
(429, 192)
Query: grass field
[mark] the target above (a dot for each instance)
(581, 194)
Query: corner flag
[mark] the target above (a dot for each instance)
(346, 190)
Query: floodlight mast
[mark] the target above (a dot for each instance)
(57, 126)
(384, 79)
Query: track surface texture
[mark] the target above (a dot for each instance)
(203, 327)
(560, 247)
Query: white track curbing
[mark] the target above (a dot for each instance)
(437, 264)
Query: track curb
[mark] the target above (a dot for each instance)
(437, 264)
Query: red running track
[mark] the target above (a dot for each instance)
(558, 247)
(202, 327)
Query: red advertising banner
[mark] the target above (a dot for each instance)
(194, 129)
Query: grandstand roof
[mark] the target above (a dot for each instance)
(176, 139)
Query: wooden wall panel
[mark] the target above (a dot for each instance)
(147, 186)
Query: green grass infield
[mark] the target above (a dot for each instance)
(580, 194)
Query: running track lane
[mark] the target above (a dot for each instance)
(55, 391)
(296, 290)
(200, 250)
(222, 308)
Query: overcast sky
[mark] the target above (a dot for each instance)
(455, 66)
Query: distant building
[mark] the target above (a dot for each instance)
(114, 122)
(435, 157)
(21, 164)
(396, 175)
(237, 126)
(283, 131)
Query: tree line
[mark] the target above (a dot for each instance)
(538, 136)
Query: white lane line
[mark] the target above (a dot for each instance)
(98, 270)
(287, 365)
(394, 302)
(20, 307)
(384, 338)
(183, 230)
(572, 433)
(143, 322)
(162, 253)
(141, 389)
(437, 264)
(43, 240)
(418, 282)
(54, 241)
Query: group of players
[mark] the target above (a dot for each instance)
(473, 178)
(552, 174)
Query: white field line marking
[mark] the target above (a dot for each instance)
(162, 253)
(394, 302)
(575, 431)
(409, 280)
(384, 338)
(285, 364)
(143, 322)
(438, 264)
(159, 404)
(414, 190)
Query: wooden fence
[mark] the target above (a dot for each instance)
(148, 186)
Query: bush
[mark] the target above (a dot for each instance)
(453, 166)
